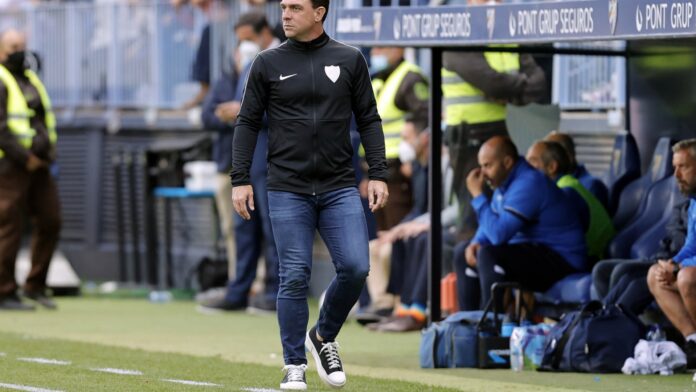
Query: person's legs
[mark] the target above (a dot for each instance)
(44, 208)
(670, 301)
(601, 275)
(249, 240)
(342, 227)
(686, 283)
(380, 262)
(225, 210)
(14, 184)
(535, 267)
(294, 221)
(270, 250)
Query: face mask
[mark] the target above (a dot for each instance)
(247, 52)
(407, 153)
(379, 63)
(15, 61)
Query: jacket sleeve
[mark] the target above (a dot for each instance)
(474, 69)
(222, 91)
(249, 122)
(412, 96)
(8, 142)
(367, 120)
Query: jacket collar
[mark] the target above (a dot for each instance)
(314, 44)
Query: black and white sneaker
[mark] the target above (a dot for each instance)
(294, 378)
(326, 357)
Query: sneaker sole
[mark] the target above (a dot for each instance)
(293, 386)
(260, 312)
(322, 373)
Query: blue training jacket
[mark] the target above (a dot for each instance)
(687, 255)
(529, 208)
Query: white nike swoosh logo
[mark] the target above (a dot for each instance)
(286, 77)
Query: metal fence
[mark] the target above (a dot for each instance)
(590, 82)
(130, 54)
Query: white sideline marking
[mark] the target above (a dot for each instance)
(196, 383)
(124, 372)
(2, 354)
(45, 361)
(259, 390)
(26, 388)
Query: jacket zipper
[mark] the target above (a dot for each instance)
(314, 127)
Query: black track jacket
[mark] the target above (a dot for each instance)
(308, 91)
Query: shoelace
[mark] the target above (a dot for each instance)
(295, 372)
(331, 354)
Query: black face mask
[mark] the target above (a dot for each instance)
(16, 61)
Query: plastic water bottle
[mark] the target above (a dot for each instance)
(160, 297)
(656, 334)
(516, 350)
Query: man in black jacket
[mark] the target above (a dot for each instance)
(309, 88)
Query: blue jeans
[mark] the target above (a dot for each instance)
(339, 217)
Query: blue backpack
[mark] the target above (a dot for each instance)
(595, 339)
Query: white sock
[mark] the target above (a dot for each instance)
(691, 337)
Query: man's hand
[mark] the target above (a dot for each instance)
(474, 182)
(377, 194)
(227, 111)
(470, 254)
(665, 274)
(241, 197)
(34, 163)
(413, 229)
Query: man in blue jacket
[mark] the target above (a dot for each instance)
(673, 282)
(254, 235)
(525, 233)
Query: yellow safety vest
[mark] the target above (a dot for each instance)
(464, 103)
(18, 112)
(392, 116)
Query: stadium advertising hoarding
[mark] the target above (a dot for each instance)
(515, 23)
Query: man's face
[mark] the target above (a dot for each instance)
(534, 157)
(494, 166)
(299, 17)
(392, 54)
(685, 172)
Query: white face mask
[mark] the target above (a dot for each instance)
(247, 51)
(379, 62)
(407, 153)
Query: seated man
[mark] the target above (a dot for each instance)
(525, 233)
(552, 160)
(673, 282)
(591, 183)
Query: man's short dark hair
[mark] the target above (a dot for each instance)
(508, 149)
(554, 151)
(566, 141)
(321, 3)
(256, 20)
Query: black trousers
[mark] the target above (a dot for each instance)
(535, 267)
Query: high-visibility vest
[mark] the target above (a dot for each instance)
(18, 113)
(601, 229)
(464, 103)
(392, 116)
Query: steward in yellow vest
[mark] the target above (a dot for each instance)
(27, 148)
(401, 92)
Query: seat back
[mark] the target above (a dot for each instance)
(652, 209)
(624, 167)
(649, 242)
(632, 195)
